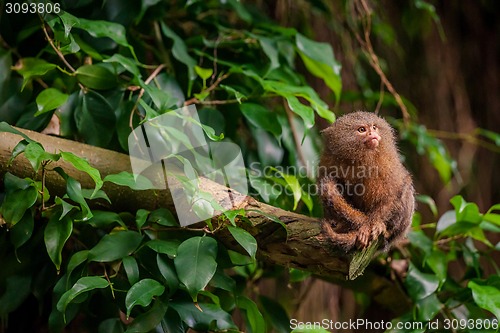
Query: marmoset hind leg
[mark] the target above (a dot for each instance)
(354, 226)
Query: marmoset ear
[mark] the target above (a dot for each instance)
(326, 130)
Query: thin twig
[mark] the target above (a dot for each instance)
(59, 54)
(296, 138)
(195, 100)
(6, 46)
(214, 75)
(161, 45)
(141, 93)
(44, 171)
(218, 102)
(43, 84)
(367, 47)
(469, 137)
(380, 97)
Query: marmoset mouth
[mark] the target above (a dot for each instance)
(372, 143)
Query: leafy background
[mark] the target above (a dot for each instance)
(259, 74)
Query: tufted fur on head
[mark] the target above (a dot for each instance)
(344, 131)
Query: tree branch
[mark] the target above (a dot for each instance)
(301, 245)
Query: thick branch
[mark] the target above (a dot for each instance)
(301, 245)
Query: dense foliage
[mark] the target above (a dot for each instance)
(95, 71)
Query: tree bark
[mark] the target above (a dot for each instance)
(300, 245)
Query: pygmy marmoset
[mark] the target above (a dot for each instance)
(365, 189)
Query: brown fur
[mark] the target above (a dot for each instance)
(366, 191)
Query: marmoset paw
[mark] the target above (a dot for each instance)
(378, 229)
(363, 237)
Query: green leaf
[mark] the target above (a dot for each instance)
(270, 49)
(131, 268)
(244, 238)
(162, 99)
(429, 202)
(240, 9)
(320, 61)
(306, 92)
(74, 192)
(168, 247)
(32, 67)
(494, 208)
(293, 183)
(428, 307)
(4, 127)
(103, 219)
(361, 259)
(83, 285)
(16, 203)
(82, 164)
(493, 136)
(303, 111)
(115, 246)
(135, 182)
(438, 262)
(96, 77)
(18, 149)
(487, 297)
(271, 217)
(167, 270)
(466, 211)
(238, 259)
(146, 4)
(420, 285)
(492, 217)
(94, 119)
(142, 293)
(66, 207)
(204, 73)
(232, 214)
(22, 231)
(195, 263)
(50, 99)
(478, 234)
(252, 314)
(447, 219)
(87, 48)
(163, 217)
(297, 275)
(222, 281)
(108, 29)
(69, 21)
(35, 154)
(459, 229)
(261, 117)
(179, 51)
(237, 94)
(204, 320)
(140, 218)
(149, 320)
(129, 64)
(56, 234)
(76, 260)
(276, 313)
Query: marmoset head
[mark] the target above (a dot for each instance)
(358, 134)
